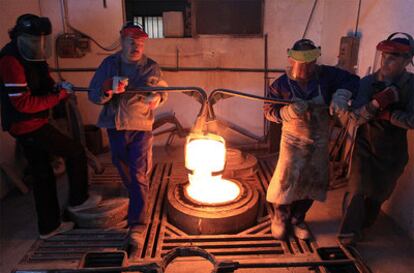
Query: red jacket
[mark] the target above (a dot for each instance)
(13, 77)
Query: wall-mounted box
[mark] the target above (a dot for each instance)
(173, 24)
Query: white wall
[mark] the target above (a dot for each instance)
(284, 22)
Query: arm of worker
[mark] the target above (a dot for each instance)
(283, 113)
(371, 104)
(20, 95)
(272, 111)
(363, 109)
(404, 118)
(346, 88)
(101, 83)
(156, 99)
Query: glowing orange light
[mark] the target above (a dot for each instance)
(206, 154)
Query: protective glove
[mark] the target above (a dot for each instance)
(384, 115)
(63, 94)
(386, 97)
(65, 85)
(156, 82)
(153, 100)
(114, 85)
(295, 110)
(339, 102)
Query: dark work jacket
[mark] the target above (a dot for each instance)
(327, 78)
(381, 148)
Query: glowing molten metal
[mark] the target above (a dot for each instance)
(205, 155)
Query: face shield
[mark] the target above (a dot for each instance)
(34, 47)
(390, 56)
(302, 64)
(300, 71)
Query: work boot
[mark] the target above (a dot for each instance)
(278, 230)
(63, 227)
(301, 231)
(348, 239)
(92, 202)
(136, 235)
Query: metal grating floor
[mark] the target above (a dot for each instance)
(254, 242)
(66, 250)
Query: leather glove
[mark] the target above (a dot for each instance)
(339, 103)
(153, 100)
(384, 115)
(386, 97)
(156, 82)
(267, 107)
(63, 94)
(114, 85)
(65, 85)
(295, 110)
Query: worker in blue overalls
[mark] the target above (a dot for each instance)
(129, 117)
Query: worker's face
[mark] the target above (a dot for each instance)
(33, 47)
(392, 65)
(132, 48)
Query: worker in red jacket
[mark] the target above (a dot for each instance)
(27, 93)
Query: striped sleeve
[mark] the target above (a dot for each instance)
(14, 79)
(13, 76)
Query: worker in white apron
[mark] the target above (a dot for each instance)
(317, 92)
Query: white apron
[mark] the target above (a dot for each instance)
(302, 167)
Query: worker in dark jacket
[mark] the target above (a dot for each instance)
(384, 109)
(301, 174)
(27, 93)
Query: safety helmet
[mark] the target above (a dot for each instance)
(402, 46)
(399, 46)
(32, 35)
(134, 30)
(302, 58)
(304, 50)
(31, 24)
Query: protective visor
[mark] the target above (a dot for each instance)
(304, 55)
(33, 47)
(300, 71)
(389, 46)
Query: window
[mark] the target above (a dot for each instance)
(148, 13)
(201, 17)
(151, 24)
(229, 17)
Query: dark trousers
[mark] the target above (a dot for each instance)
(132, 155)
(361, 213)
(292, 213)
(38, 146)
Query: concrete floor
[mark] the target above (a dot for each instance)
(386, 249)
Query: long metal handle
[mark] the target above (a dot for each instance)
(218, 94)
(198, 90)
(201, 98)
